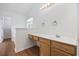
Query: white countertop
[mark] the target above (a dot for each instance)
(61, 38)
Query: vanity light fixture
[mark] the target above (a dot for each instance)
(46, 5)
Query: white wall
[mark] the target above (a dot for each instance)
(22, 42)
(64, 14)
(1, 31)
(78, 32)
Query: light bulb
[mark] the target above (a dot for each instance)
(48, 4)
(45, 5)
(40, 8)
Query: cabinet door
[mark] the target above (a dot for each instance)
(44, 51)
(44, 47)
(52, 51)
(60, 53)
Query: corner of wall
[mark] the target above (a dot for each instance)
(18, 50)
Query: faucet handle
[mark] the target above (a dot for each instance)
(57, 36)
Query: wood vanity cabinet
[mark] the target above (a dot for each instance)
(44, 47)
(49, 47)
(62, 49)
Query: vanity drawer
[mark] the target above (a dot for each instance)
(35, 38)
(65, 47)
(58, 52)
(45, 41)
(44, 44)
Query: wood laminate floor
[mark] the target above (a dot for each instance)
(7, 48)
(34, 51)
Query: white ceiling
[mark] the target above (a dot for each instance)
(22, 8)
